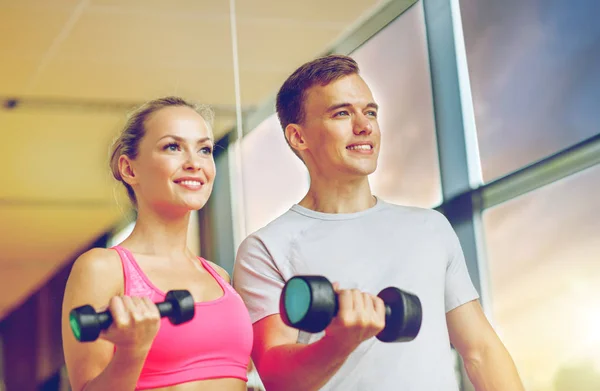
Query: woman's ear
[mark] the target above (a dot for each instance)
(126, 170)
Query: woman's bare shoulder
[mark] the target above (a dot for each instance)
(98, 260)
(99, 267)
(222, 272)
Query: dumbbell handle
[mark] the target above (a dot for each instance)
(388, 310)
(322, 294)
(407, 319)
(87, 324)
(105, 318)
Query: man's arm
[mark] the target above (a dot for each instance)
(488, 363)
(286, 365)
(281, 362)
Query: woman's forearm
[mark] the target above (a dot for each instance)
(122, 373)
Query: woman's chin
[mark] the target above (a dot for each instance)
(179, 207)
(194, 205)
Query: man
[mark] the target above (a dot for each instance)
(364, 244)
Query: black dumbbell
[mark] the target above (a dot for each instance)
(309, 303)
(87, 324)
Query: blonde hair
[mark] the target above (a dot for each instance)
(128, 141)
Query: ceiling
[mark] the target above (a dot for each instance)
(71, 69)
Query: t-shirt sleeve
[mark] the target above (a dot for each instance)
(459, 286)
(257, 279)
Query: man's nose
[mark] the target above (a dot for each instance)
(362, 125)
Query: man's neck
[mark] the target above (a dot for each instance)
(339, 196)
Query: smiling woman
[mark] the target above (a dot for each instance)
(164, 158)
(126, 146)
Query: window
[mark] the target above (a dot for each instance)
(544, 263)
(118, 237)
(535, 78)
(395, 65)
(273, 177)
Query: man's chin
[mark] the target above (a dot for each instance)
(365, 169)
(359, 172)
(366, 164)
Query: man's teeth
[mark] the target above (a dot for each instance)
(361, 147)
(190, 183)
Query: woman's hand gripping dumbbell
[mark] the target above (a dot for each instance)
(310, 303)
(87, 324)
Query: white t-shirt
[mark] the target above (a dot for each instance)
(413, 249)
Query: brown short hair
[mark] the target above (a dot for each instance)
(128, 141)
(321, 71)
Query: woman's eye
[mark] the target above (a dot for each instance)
(207, 150)
(172, 147)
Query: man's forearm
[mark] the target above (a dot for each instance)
(302, 367)
(493, 370)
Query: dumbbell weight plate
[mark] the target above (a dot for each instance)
(297, 300)
(87, 324)
(308, 304)
(178, 306)
(403, 316)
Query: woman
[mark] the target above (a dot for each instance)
(164, 159)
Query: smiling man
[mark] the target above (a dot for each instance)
(340, 230)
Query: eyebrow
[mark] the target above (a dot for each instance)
(181, 139)
(371, 105)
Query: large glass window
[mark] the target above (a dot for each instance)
(395, 65)
(274, 178)
(535, 77)
(544, 263)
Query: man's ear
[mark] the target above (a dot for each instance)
(126, 170)
(295, 137)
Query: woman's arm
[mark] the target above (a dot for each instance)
(97, 279)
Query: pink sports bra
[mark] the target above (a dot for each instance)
(216, 343)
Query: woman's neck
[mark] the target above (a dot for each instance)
(158, 234)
